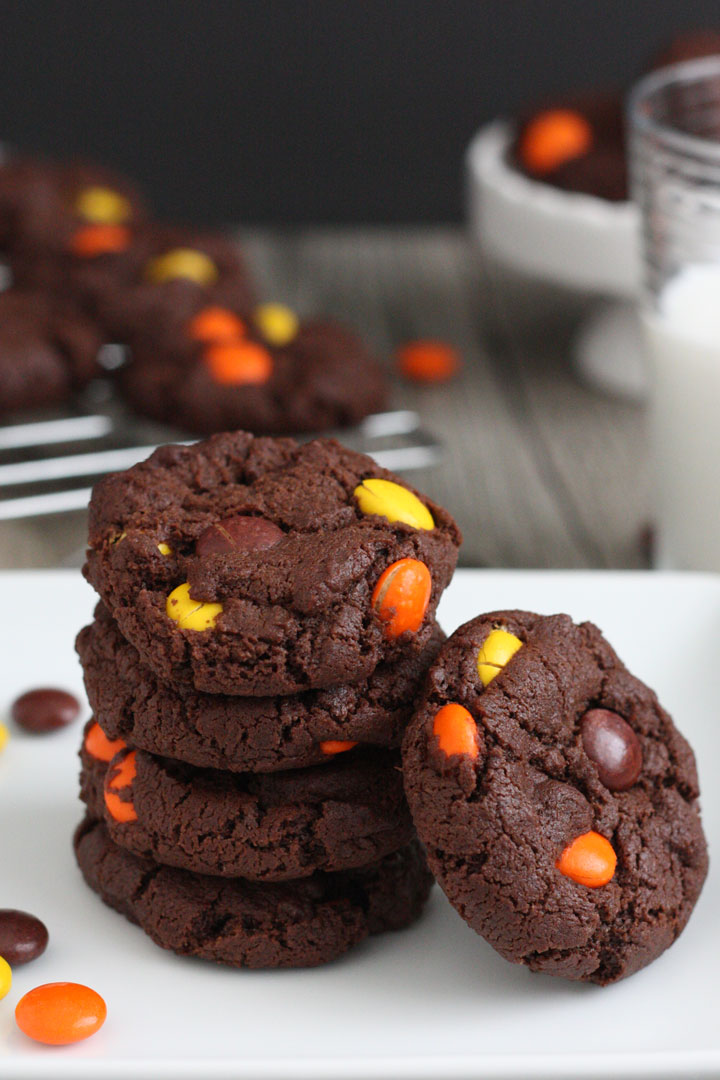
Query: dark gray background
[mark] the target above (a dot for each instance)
(298, 111)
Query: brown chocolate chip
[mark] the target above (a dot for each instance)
(613, 746)
(22, 936)
(238, 534)
(44, 709)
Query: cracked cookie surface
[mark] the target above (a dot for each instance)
(244, 924)
(243, 734)
(298, 613)
(260, 826)
(501, 811)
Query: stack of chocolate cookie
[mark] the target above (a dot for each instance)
(267, 617)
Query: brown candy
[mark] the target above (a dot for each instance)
(238, 534)
(613, 746)
(22, 936)
(44, 709)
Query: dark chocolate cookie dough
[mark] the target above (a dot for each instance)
(558, 802)
(44, 203)
(244, 924)
(244, 734)
(260, 826)
(248, 566)
(48, 350)
(322, 378)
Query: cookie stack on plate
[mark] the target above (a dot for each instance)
(267, 618)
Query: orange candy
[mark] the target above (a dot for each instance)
(553, 138)
(60, 1013)
(401, 596)
(99, 746)
(122, 776)
(589, 860)
(93, 240)
(455, 731)
(239, 363)
(213, 324)
(336, 746)
(428, 361)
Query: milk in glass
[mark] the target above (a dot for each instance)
(683, 334)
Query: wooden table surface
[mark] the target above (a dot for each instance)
(539, 470)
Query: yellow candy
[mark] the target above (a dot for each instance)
(4, 736)
(5, 977)
(391, 501)
(277, 323)
(164, 548)
(103, 206)
(182, 263)
(495, 652)
(191, 614)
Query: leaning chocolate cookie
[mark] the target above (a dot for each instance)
(245, 734)
(48, 350)
(245, 924)
(266, 373)
(256, 566)
(556, 799)
(259, 826)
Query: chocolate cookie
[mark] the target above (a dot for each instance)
(244, 734)
(260, 826)
(256, 566)
(169, 268)
(321, 377)
(576, 143)
(244, 924)
(557, 801)
(48, 350)
(43, 204)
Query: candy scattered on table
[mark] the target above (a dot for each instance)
(428, 361)
(23, 937)
(5, 977)
(60, 1013)
(45, 709)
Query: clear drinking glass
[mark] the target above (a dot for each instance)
(675, 176)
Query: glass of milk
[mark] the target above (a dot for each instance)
(675, 169)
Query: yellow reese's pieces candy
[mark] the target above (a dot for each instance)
(394, 502)
(497, 648)
(103, 206)
(277, 323)
(182, 263)
(191, 614)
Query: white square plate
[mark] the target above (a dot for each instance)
(432, 1001)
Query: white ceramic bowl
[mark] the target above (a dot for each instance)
(575, 240)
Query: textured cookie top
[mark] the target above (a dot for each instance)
(280, 581)
(555, 796)
(48, 349)
(260, 826)
(323, 377)
(260, 734)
